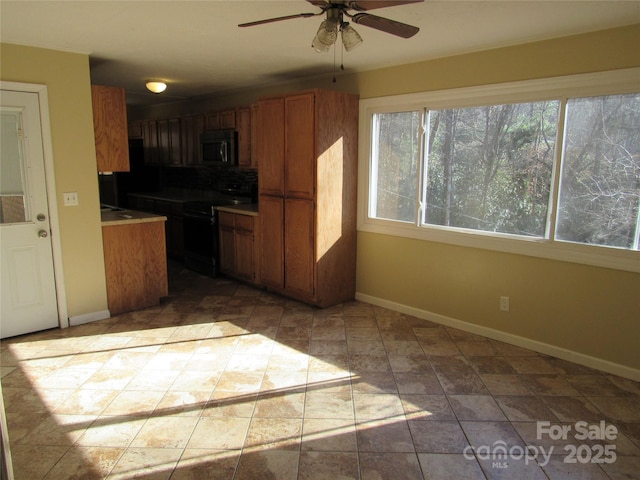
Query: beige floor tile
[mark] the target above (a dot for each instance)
(427, 408)
(85, 463)
(325, 434)
(437, 437)
(23, 457)
(524, 408)
(224, 433)
(280, 464)
(147, 463)
(328, 405)
(377, 407)
(280, 404)
(476, 408)
(450, 467)
(202, 464)
(134, 402)
(108, 431)
(390, 465)
(230, 404)
(274, 433)
(325, 465)
(86, 402)
(165, 432)
(389, 435)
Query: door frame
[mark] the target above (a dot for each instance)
(54, 221)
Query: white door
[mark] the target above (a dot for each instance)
(27, 281)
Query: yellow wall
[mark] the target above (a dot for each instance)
(67, 78)
(588, 310)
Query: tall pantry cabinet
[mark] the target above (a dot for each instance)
(307, 185)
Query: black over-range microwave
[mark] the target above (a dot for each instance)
(218, 147)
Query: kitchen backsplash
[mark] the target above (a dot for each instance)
(206, 178)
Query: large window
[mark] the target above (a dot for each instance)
(557, 170)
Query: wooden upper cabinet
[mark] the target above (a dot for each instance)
(255, 154)
(212, 120)
(110, 128)
(300, 146)
(192, 127)
(220, 119)
(228, 119)
(150, 141)
(243, 126)
(271, 146)
(135, 130)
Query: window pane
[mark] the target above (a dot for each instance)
(396, 151)
(489, 168)
(12, 208)
(600, 185)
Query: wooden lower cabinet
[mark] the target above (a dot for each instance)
(238, 246)
(135, 265)
(272, 257)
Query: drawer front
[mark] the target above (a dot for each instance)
(226, 219)
(244, 222)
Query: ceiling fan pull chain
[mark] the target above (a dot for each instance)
(334, 63)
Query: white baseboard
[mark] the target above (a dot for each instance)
(545, 348)
(89, 317)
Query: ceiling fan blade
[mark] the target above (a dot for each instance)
(277, 19)
(362, 5)
(385, 25)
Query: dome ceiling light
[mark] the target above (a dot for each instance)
(156, 87)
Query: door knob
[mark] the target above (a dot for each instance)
(43, 234)
(41, 217)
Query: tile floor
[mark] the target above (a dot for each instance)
(224, 381)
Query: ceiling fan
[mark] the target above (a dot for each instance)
(337, 10)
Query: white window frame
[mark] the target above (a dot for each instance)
(559, 88)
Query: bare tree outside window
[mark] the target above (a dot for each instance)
(600, 187)
(489, 168)
(397, 156)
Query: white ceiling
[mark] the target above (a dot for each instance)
(197, 47)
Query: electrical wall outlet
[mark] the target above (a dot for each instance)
(504, 304)
(70, 199)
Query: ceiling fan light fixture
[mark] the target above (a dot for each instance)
(326, 36)
(350, 38)
(156, 87)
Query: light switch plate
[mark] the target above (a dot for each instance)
(70, 199)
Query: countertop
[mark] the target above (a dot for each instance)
(126, 217)
(246, 209)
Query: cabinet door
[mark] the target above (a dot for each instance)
(245, 265)
(299, 247)
(110, 128)
(228, 119)
(135, 130)
(271, 145)
(243, 123)
(227, 250)
(271, 225)
(254, 136)
(163, 141)
(300, 145)
(150, 141)
(175, 149)
(212, 120)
